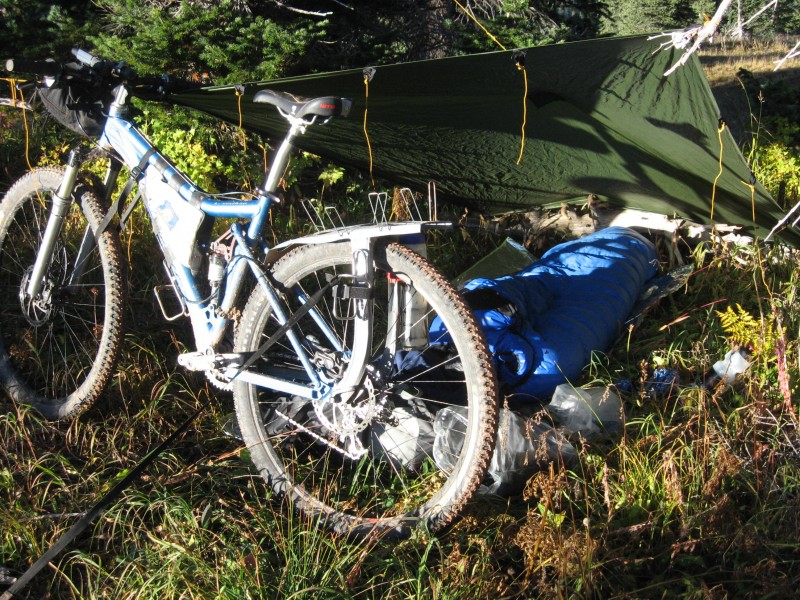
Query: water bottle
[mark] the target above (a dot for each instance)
(410, 308)
(415, 319)
(726, 370)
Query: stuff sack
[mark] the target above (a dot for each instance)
(77, 107)
(543, 322)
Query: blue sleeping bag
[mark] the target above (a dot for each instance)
(543, 323)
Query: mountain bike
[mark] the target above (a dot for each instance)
(347, 349)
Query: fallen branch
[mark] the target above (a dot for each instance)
(703, 33)
(793, 53)
(15, 103)
(312, 13)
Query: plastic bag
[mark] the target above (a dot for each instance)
(586, 411)
(523, 447)
(406, 441)
(728, 369)
(449, 430)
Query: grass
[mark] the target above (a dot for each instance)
(725, 62)
(697, 497)
(722, 59)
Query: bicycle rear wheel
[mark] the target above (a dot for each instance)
(58, 350)
(367, 464)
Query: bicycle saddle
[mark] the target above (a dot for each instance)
(324, 106)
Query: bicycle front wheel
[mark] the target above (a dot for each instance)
(382, 459)
(59, 349)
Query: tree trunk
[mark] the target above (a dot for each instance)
(436, 36)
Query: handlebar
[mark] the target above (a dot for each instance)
(87, 58)
(46, 68)
(86, 66)
(100, 72)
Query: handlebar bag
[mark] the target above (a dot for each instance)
(76, 107)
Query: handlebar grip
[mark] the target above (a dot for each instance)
(86, 58)
(47, 68)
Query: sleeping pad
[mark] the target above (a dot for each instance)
(543, 323)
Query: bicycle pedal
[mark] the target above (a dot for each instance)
(201, 361)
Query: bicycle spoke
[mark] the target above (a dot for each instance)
(62, 344)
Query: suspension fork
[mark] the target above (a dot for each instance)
(61, 202)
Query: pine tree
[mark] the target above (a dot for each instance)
(39, 29)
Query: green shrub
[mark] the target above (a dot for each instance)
(777, 162)
(774, 151)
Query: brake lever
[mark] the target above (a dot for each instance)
(124, 72)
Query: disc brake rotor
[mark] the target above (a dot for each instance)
(40, 309)
(37, 311)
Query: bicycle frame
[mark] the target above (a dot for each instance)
(209, 317)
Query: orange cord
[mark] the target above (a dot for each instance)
(479, 24)
(521, 67)
(752, 187)
(367, 77)
(242, 134)
(18, 99)
(720, 129)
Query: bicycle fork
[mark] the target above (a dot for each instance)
(61, 203)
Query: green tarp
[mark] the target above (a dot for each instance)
(601, 119)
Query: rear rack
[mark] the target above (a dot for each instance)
(402, 206)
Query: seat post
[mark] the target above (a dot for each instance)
(281, 159)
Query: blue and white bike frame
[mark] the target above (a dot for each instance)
(210, 316)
